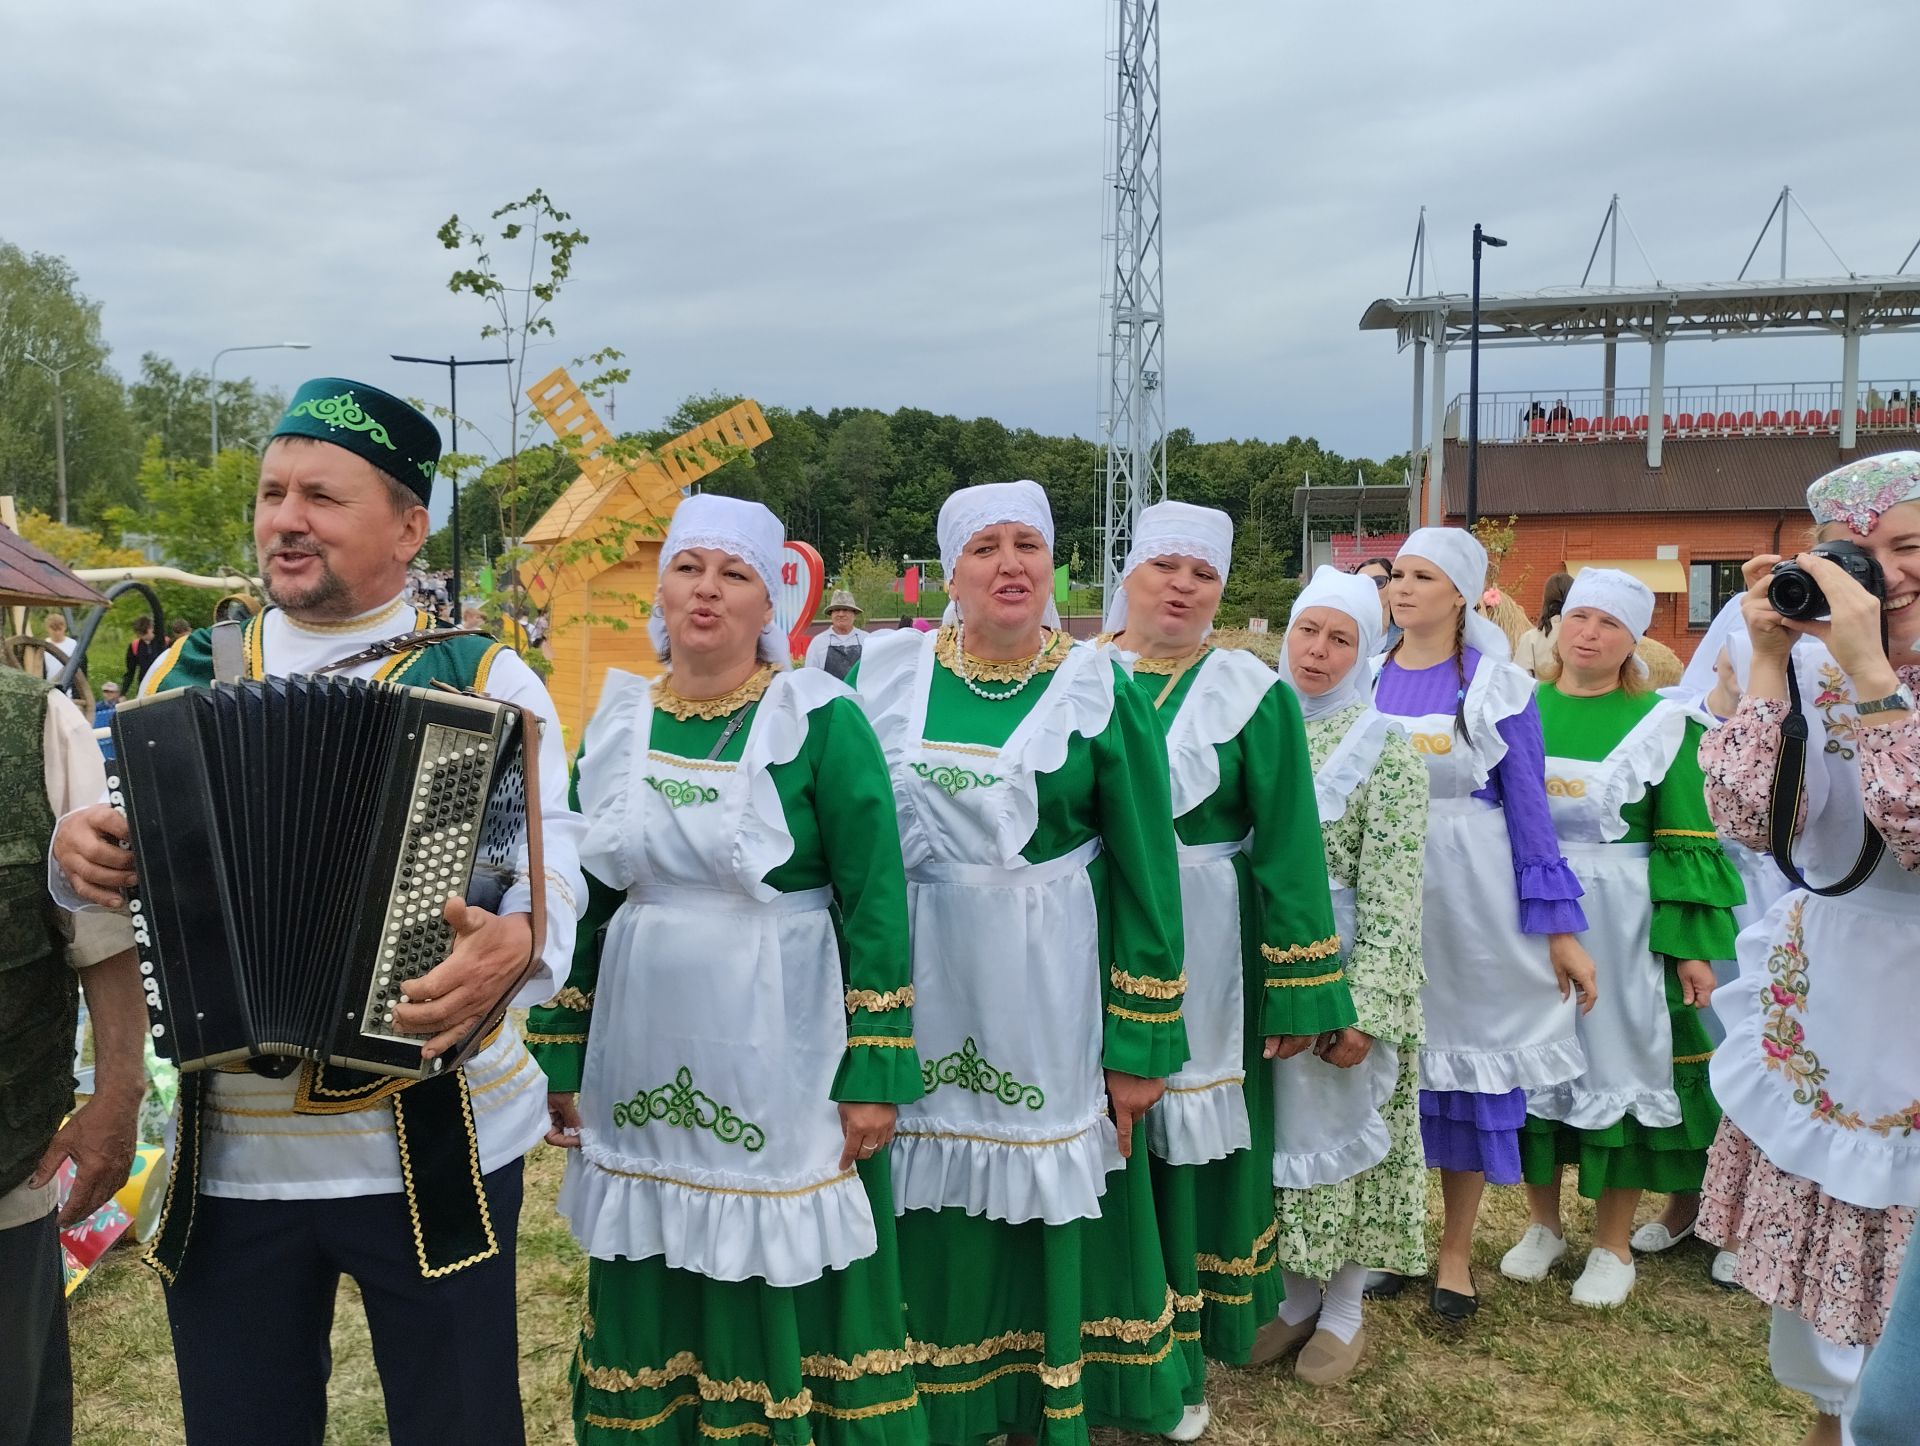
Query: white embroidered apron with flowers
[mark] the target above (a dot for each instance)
(1008, 984)
(709, 1137)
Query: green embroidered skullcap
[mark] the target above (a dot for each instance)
(370, 423)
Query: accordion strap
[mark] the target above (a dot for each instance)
(404, 643)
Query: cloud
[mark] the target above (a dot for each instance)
(855, 203)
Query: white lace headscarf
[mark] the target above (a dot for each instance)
(1174, 529)
(973, 510)
(748, 531)
(1458, 554)
(1620, 595)
(1359, 599)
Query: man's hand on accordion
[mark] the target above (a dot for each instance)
(94, 850)
(490, 953)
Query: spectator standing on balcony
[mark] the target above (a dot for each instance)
(1559, 416)
(1534, 413)
(1535, 650)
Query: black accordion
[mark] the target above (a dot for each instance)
(296, 839)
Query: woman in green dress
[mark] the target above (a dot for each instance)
(1629, 805)
(1264, 975)
(738, 1029)
(1031, 787)
(1349, 1169)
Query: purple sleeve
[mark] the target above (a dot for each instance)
(1549, 893)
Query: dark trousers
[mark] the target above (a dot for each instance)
(36, 1374)
(253, 1308)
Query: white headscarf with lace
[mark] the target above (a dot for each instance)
(746, 530)
(1174, 529)
(973, 510)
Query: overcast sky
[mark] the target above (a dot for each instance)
(887, 204)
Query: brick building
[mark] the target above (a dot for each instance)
(1677, 484)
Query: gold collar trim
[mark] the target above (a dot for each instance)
(946, 652)
(686, 709)
(1161, 667)
(351, 625)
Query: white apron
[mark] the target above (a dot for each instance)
(709, 1137)
(1327, 1121)
(1495, 1019)
(1819, 1067)
(1008, 980)
(1203, 1116)
(1628, 1036)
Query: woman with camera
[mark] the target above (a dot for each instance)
(1818, 1159)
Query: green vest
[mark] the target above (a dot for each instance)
(39, 1002)
(458, 662)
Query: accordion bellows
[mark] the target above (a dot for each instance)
(296, 839)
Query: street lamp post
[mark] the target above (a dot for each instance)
(1480, 238)
(453, 366)
(59, 425)
(213, 383)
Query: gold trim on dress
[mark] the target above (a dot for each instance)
(862, 1413)
(725, 1189)
(1305, 983)
(878, 1003)
(1219, 1299)
(882, 1041)
(537, 1038)
(1302, 953)
(1146, 986)
(570, 998)
(971, 750)
(946, 653)
(707, 709)
(1232, 1081)
(1243, 1265)
(1685, 833)
(990, 1139)
(1118, 1013)
(643, 1423)
(1693, 1058)
(700, 764)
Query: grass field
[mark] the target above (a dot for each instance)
(1682, 1362)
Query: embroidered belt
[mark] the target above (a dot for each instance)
(729, 901)
(993, 876)
(1607, 850)
(439, 1167)
(1193, 855)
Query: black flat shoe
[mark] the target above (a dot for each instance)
(1451, 1306)
(1385, 1285)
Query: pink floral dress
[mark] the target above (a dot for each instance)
(1826, 1243)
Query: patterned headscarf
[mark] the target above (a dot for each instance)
(1861, 492)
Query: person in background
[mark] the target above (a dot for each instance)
(1535, 649)
(177, 629)
(54, 663)
(48, 767)
(1379, 572)
(838, 648)
(142, 652)
(103, 714)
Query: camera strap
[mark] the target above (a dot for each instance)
(1789, 776)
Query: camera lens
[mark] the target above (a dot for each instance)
(1794, 594)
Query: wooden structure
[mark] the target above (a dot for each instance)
(595, 553)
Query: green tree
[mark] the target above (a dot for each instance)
(200, 517)
(861, 456)
(47, 323)
(173, 406)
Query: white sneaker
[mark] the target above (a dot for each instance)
(1605, 1282)
(1725, 1270)
(1534, 1256)
(1193, 1423)
(1653, 1237)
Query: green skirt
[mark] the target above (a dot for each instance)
(1628, 1155)
(667, 1356)
(1044, 1329)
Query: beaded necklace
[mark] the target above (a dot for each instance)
(960, 663)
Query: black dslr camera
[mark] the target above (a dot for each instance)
(1794, 594)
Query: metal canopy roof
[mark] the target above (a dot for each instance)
(1373, 498)
(1571, 314)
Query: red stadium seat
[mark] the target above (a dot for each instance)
(1899, 416)
(1537, 426)
(1706, 422)
(1725, 422)
(1770, 421)
(1622, 424)
(1640, 423)
(1859, 416)
(1580, 425)
(1792, 419)
(1833, 419)
(1877, 417)
(1684, 422)
(1746, 422)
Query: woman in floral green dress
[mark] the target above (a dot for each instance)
(1349, 1172)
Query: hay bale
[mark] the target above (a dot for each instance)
(1663, 664)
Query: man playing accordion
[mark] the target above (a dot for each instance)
(412, 1189)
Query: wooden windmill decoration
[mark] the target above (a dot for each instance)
(583, 591)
